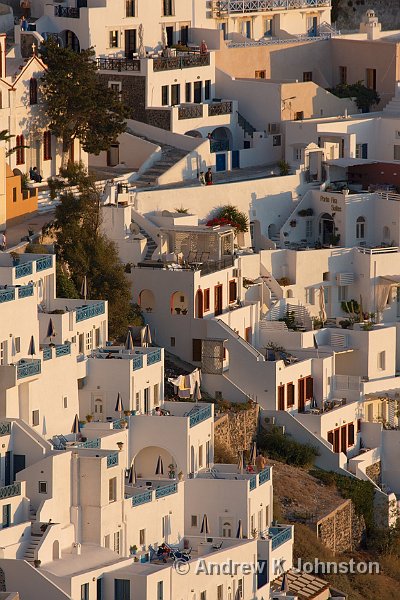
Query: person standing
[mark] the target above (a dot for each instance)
(209, 177)
(202, 180)
(3, 241)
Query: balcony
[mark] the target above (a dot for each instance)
(23, 270)
(118, 64)
(137, 362)
(166, 490)
(42, 264)
(219, 108)
(264, 475)
(25, 291)
(193, 111)
(27, 369)
(142, 498)
(112, 459)
(153, 357)
(88, 312)
(9, 491)
(67, 11)
(5, 428)
(63, 350)
(219, 146)
(200, 415)
(279, 535)
(47, 354)
(223, 8)
(7, 295)
(185, 61)
(217, 265)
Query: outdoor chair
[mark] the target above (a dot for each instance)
(217, 545)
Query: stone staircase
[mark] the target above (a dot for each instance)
(245, 125)
(151, 244)
(35, 538)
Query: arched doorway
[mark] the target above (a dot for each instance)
(147, 300)
(199, 304)
(192, 463)
(326, 228)
(273, 231)
(153, 462)
(227, 529)
(179, 304)
(70, 40)
(360, 228)
(98, 409)
(221, 139)
(56, 550)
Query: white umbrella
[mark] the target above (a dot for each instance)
(141, 49)
(285, 583)
(204, 527)
(146, 336)
(253, 454)
(322, 309)
(32, 347)
(240, 461)
(163, 36)
(129, 341)
(76, 428)
(132, 475)
(196, 392)
(84, 288)
(119, 407)
(160, 466)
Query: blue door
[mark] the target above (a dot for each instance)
(235, 159)
(220, 162)
(248, 29)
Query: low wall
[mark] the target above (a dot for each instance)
(183, 142)
(237, 430)
(342, 529)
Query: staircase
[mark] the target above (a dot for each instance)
(245, 125)
(151, 245)
(35, 538)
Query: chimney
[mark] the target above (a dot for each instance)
(2, 55)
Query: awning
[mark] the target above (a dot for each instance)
(390, 279)
(350, 162)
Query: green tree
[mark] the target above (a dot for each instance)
(85, 251)
(235, 217)
(78, 104)
(365, 97)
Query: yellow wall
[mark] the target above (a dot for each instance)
(26, 200)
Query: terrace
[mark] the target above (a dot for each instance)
(139, 356)
(21, 266)
(223, 8)
(155, 63)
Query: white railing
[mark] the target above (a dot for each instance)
(389, 250)
(246, 6)
(271, 41)
(388, 196)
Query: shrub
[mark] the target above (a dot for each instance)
(230, 215)
(283, 448)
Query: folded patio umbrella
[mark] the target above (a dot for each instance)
(129, 341)
(146, 340)
(204, 527)
(32, 347)
(160, 466)
(50, 329)
(119, 407)
(76, 428)
(239, 533)
(253, 454)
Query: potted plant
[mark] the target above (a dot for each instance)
(184, 311)
(171, 471)
(127, 413)
(178, 310)
(180, 476)
(15, 257)
(120, 445)
(133, 549)
(293, 223)
(124, 423)
(149, 309)
(89, 418)
(37, 563)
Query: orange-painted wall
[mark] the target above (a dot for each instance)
(21, 202)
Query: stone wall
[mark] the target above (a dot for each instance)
(236, 430)
(374, 472)
(133, 94)
(350, 13)
(342, 529)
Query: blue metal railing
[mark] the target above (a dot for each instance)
(46, 262)
(253, 482)
(166, 490)
(5, 428)
(10, 490)
(25, 291)
(7, 295)
(200, 415)
(63, 350)
(264, 475)
(279, 536)
(47, 353)
(112, 459)
(142, 498)
(23, 270)
(90, 444)
(120, 423)
(137, 362)
(88, 312)
(154, 357)
(27, 369)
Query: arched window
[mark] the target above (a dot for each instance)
(20, 149)
(360, 228)
(227, 530)
(33, 88)
(47, 145)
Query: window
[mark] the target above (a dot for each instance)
(299, 115)
(276, 140)
(160, 590)
(371, 79)
(156, 393)
(33, 89)
(172, 342)
(137, 401)
(309, 387)
(35, 418)
(42, 487)
(361, 150)
(122, 589)
(310, 296)
(290, 394)
(281, 397)
(89, 340)
(307, 76)
(203, 595)
(99, 589)
(220, 592)
(47, 145)
(116, 87)
(14, 194)
(309, 228)
(20, 150)
(297, 153)
(260, 74)
(382, 360)
(175, 94)
(207, 89)
(240, 588)
(188, 91)
(232, 291)
(142, 537)
(165, 95)
(350, 434)
(343, 75)
(112, 489)
(17, 344)
(65, 401)
(342, 293)
(168, 8)
(396, 152)
(193, 521)
(130, 8)
(201, 457)
(360, 228)
(85, 591)
(113, 42)
(206, 299)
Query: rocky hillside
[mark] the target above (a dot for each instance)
(348, 13)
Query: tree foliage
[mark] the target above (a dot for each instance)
(85, 251)
(230, 215)
(77, 102)
(283, 448)
(364, 97)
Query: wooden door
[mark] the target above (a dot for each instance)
(218, 299)
(343, 439)
(301, 393)
(281, 397)
(336, 440)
